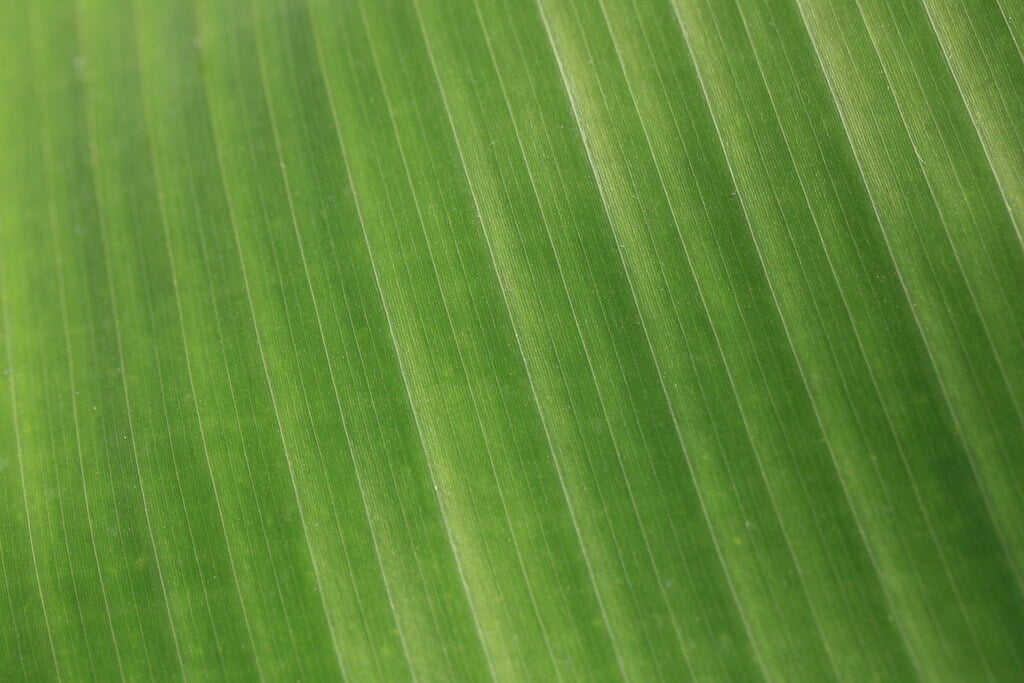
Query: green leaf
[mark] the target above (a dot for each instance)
(524, 340)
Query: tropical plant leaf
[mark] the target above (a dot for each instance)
(481, 339)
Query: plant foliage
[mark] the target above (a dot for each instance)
(536, 340)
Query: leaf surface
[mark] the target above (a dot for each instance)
(479, 339)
